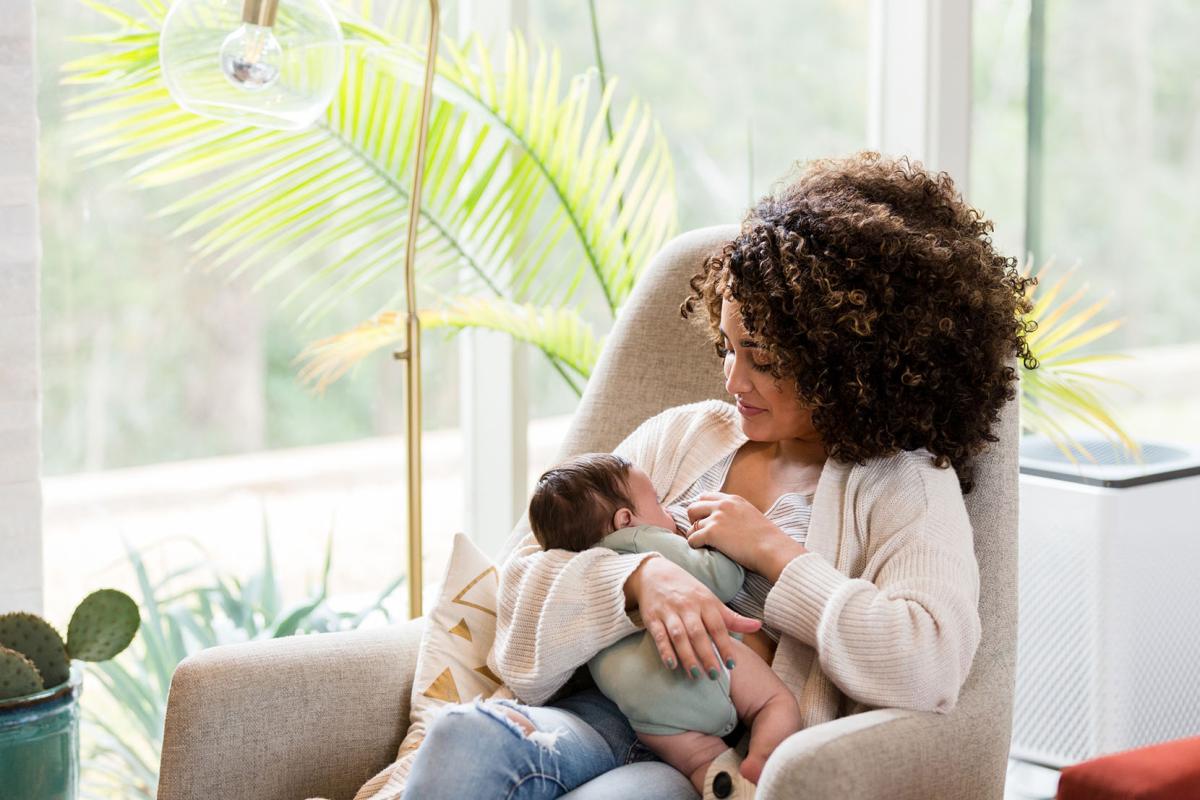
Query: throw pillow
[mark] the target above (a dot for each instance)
(452, 662)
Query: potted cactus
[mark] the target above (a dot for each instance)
(39, 691)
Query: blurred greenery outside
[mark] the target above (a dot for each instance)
(183, 612)
(1121, 150)
(1120, 120)
(132, 343)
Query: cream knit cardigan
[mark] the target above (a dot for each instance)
(881, 612)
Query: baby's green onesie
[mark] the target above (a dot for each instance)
(630, 672)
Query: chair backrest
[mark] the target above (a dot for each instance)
(654, 359)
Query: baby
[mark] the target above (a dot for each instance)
(603, 499)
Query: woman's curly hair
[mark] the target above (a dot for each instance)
(875, 286)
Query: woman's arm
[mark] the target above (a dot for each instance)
(556, 610)
(907, 638)
(684, 617)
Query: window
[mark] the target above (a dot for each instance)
(1111, 179)
(742, 93)
(171, 406)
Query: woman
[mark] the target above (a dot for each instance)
(866, 327)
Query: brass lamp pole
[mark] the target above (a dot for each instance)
(411, 354)
(248, 57)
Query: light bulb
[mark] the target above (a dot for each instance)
(233, 60)
(250, 57)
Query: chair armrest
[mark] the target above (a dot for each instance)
(288, 718)
(887, 753)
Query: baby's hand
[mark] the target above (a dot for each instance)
(686, 529)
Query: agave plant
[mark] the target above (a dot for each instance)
(183, 612)
(1060, 387)
(529, 195)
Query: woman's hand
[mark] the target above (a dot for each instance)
(684, 617)
(731, 524)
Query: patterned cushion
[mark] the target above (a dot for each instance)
(452, 663)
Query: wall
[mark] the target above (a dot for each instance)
(20, 250)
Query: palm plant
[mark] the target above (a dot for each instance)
(1060, 388)
(184, 612)
(528, 197)
(531, 194)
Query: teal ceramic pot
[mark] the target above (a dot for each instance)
(39, 743)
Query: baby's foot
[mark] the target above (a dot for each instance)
(752, 767)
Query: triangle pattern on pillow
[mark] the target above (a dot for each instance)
(444, 688)
(481, 594)
(487, 673)
(462, 629)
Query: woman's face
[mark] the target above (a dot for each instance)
(770, 409)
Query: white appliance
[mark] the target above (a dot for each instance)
(1108, 644)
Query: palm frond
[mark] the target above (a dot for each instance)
(1057, 389)
(524, 192)
(326, 360)
(616, 194)
(560, 333)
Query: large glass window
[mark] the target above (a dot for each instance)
(1107, 95)
(171, 404)
(742, 93)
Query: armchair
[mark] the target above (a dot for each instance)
(318, 715)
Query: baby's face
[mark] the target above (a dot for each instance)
(646, 508)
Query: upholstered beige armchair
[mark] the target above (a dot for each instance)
(318, 715)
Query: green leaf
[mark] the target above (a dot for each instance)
(559, 333)
(522, 186)
(1054, 389)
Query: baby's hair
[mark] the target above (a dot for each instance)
(573, 504)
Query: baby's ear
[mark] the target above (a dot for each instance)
(622, 518)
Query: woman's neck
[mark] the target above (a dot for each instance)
(796, 452)
(762, 470)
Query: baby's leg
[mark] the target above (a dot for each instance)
(689, 752)
(764, 704)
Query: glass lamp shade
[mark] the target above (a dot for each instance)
(241, 61)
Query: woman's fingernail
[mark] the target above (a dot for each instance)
(729, 663)
(671, 663)
(695, 672)
(712, 673)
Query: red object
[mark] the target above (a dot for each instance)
(1169, 771)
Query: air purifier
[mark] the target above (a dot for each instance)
(1108, 645)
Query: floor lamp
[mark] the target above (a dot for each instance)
(282, 72)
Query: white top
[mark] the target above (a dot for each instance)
(882, 611)
(790, 513)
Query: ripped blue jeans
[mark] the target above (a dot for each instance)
(581, 748)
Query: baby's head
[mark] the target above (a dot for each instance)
(579, 502)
